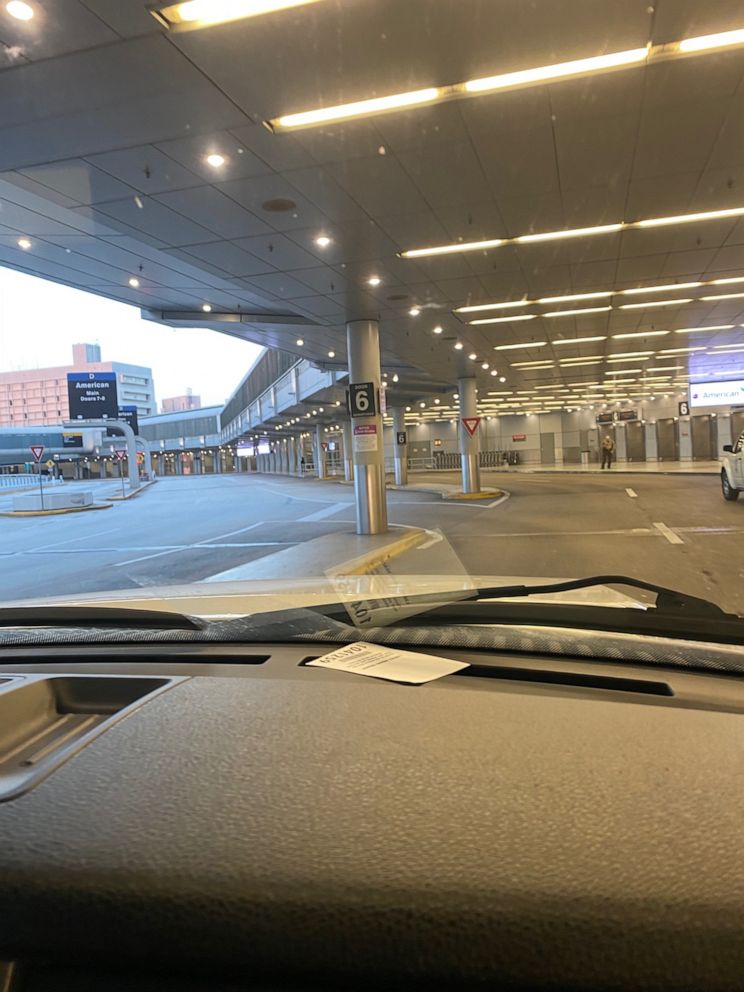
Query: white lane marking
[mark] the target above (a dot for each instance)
(632, 493)
(71, 540)
(300, 499)
(202, 547)
(633, 532)
(231, 533)
(329, 511)
(668, 533)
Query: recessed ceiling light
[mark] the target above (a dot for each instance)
(300, 342)
(374, 281)
(331, 354)
(414, 311)
(133, 282)
(484, 365)
(18, 9)
(396, 377)
(458, 346)
(215, 160)
(502, 378)
(437, 330)
(24, 243)
(322, 241)
(206, 308)
(472, 356)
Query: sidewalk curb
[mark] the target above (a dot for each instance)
(136, 492)
(372, 559)
(55, 513)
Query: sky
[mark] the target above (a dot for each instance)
(41, 320)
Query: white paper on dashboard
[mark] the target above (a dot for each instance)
(381, 662)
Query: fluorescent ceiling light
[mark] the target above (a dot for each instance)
(561, 70)
(654, 303)
(690, 218)
(573, 232)
(628, 354)
(571, 313)
(726, 282)
(525, 344)
(723, 296)
(575, 296)
(532, 365)
(581, 361)
(623, 371)
(504, 320)
(362, 108)
(729, 351)
(201, 13)
(576, 232)
(707, 41)
(665, 368)
(493, 306)
(662, 289)
(626, 360)
(713, 327)
(682, 351)
(579, 340)
(639, 334)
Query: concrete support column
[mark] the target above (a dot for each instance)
(685, 439)
(723, 432)
(469, 446)
(652, 442)
(348, 453)
(320, 462)
(363, 348)
(400, 451)
(621, 443)
(291, 456)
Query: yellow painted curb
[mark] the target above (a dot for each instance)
(488, 494)
(56, 513)
(373, 559)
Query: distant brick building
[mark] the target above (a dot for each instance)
(39, 396)
(179, 404)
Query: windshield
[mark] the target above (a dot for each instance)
(303, 291)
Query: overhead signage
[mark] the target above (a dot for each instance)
(362, 399)
(92, 395)
(37, 450)
(729, 393)
(617, 416)
(365, 437)
(129, 415)
(401, 437)
(383, 398)
(72, 440)
(519, 437)
(471, 424)
(684, 409)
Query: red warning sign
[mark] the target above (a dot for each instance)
(37, 450)
(121, 454)
(471, 424)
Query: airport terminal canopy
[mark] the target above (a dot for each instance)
(536, 194)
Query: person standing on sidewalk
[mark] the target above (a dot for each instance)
(608, 450)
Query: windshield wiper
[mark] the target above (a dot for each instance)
(96, 616)
(674, 613)
(668, 601)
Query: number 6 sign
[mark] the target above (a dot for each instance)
(362, 399)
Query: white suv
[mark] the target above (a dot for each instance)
(732, 470)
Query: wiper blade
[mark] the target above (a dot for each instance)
(96, 616)
(668, 601)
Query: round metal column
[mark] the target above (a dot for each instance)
(348, 455)
(400, 450)
(469, 446)
(363, 347)
(320, 462)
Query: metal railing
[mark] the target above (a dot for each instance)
(24, 480)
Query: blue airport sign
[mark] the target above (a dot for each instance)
(92, 395)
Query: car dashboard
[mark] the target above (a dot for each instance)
(224, 816)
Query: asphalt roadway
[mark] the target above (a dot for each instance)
(674, 530)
